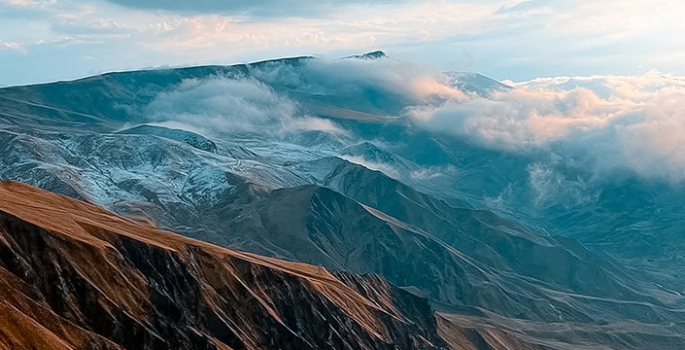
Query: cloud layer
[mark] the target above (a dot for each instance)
(614, 122)
(636, 122)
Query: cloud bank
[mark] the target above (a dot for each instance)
(636, 122)
(260, 102)
(614, 122)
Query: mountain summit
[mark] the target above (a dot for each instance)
(374, 55)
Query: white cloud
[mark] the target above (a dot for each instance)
(27, 3)
(635, 118)
(398, 83)
(126, 38)
(10, 46)
(226, 104)
(654, 144)
(627, 121)
(635, 122)
(231, 105)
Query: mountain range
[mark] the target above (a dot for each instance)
(313, 212)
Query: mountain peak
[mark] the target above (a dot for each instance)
(476, 83)
(374, 55)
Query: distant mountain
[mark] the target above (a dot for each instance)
(374, 55)
(296, 160)
(476, 83)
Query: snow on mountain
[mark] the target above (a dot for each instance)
(476, 83)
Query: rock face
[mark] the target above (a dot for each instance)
(75, 276)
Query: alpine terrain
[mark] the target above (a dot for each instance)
(315, 207)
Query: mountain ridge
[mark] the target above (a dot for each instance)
(97, 232)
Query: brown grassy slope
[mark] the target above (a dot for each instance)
(73, 275)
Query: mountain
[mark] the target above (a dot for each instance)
(328, 212)
(476, 83)
(76, 276)
(370, 55)
(319, 163)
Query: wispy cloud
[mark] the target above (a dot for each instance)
(232, 105)
(266, 8)
(629, 118)
(124, 37)
(27, 3)
(10, 45)
(260, 102)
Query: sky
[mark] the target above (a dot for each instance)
(50, 40)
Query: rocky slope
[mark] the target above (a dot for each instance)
(75, 276)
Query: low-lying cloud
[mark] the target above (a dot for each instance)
(261, 102)
(384, 168)
(221, 105)
(636, 122)
(620, 122)
(353, 77)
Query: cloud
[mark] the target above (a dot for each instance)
(523, 116)
(10, 46)
(382, 86)
(617, 122)
(26, 3)
(654, 143)
(503, 38)
(222, 105)
(104, 36)
(260, 102)
(269, 8)
(636, 122)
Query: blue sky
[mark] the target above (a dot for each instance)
(48, 40)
